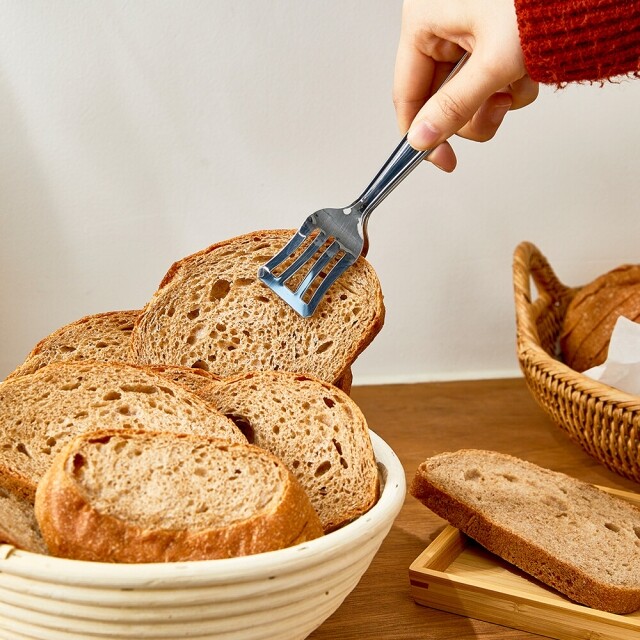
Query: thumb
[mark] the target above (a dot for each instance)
(453, 105)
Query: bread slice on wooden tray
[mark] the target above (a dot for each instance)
(122, 496)
(568, 534)
(212, 312)
(18, 525)
(315, 429)
(102, 337)
(41, 412)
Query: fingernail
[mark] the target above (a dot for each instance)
(498, 113)
(423, 135)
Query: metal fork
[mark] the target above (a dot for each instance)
(331, 240)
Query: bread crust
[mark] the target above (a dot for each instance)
(592, 313)
(526, 553)
(73, 528)
(174, 328)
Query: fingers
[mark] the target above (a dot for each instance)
(524, 91)
(455, 104)
(418, 75)
(443, 157)
(412, 84)
(486, 121)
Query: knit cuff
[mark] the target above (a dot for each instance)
(579, 40)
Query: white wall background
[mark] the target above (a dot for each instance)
(135, 133)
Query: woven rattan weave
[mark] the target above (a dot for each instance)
(603, 420)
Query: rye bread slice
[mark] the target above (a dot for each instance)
(315, 429)
(40, 412)
(123, 496)
(102, 337)
(566, 533)
(106, 337)
(196, 380)
(212, 312)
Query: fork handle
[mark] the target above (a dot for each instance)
(398, 166)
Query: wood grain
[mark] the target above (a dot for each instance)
(420, 420)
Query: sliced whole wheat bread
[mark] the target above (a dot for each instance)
(196, 380)
(103, 337)
(123, 496)
(18, 525)
(568, 534)
(315, 429)
(39, 413)
(106, 337)
(212, 312)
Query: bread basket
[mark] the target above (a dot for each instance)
(603, 420)
(283, 594)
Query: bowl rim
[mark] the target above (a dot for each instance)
(265, 565)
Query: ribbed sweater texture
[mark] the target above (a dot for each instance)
(579, 40)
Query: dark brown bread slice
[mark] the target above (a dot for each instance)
(18, 525)
(122, 496)
(212, 312)
(570, 535)
(103, 337)
(315, 429)
(41, 412)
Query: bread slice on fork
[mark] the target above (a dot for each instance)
(212, 312)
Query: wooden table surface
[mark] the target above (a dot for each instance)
(417, 421)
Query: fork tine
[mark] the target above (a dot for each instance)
(338, 269)
(295, 241)
(317, 267)
(304, 257)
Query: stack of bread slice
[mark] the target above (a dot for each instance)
(215, 388)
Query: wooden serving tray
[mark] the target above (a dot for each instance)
(456, 574)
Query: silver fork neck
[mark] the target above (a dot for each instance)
(399, 165)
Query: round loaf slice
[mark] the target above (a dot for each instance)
(120, 496)
(315, 429)
(570, 535)
(103, 337)
(212, 312)
(41, 412)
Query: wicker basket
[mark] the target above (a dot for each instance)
(603, 420)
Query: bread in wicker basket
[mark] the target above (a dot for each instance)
(593, 312)
(603, 420)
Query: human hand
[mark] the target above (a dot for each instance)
(434, 36)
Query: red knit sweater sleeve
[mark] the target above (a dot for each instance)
(579, 40)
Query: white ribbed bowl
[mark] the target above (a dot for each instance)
(282, 594)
